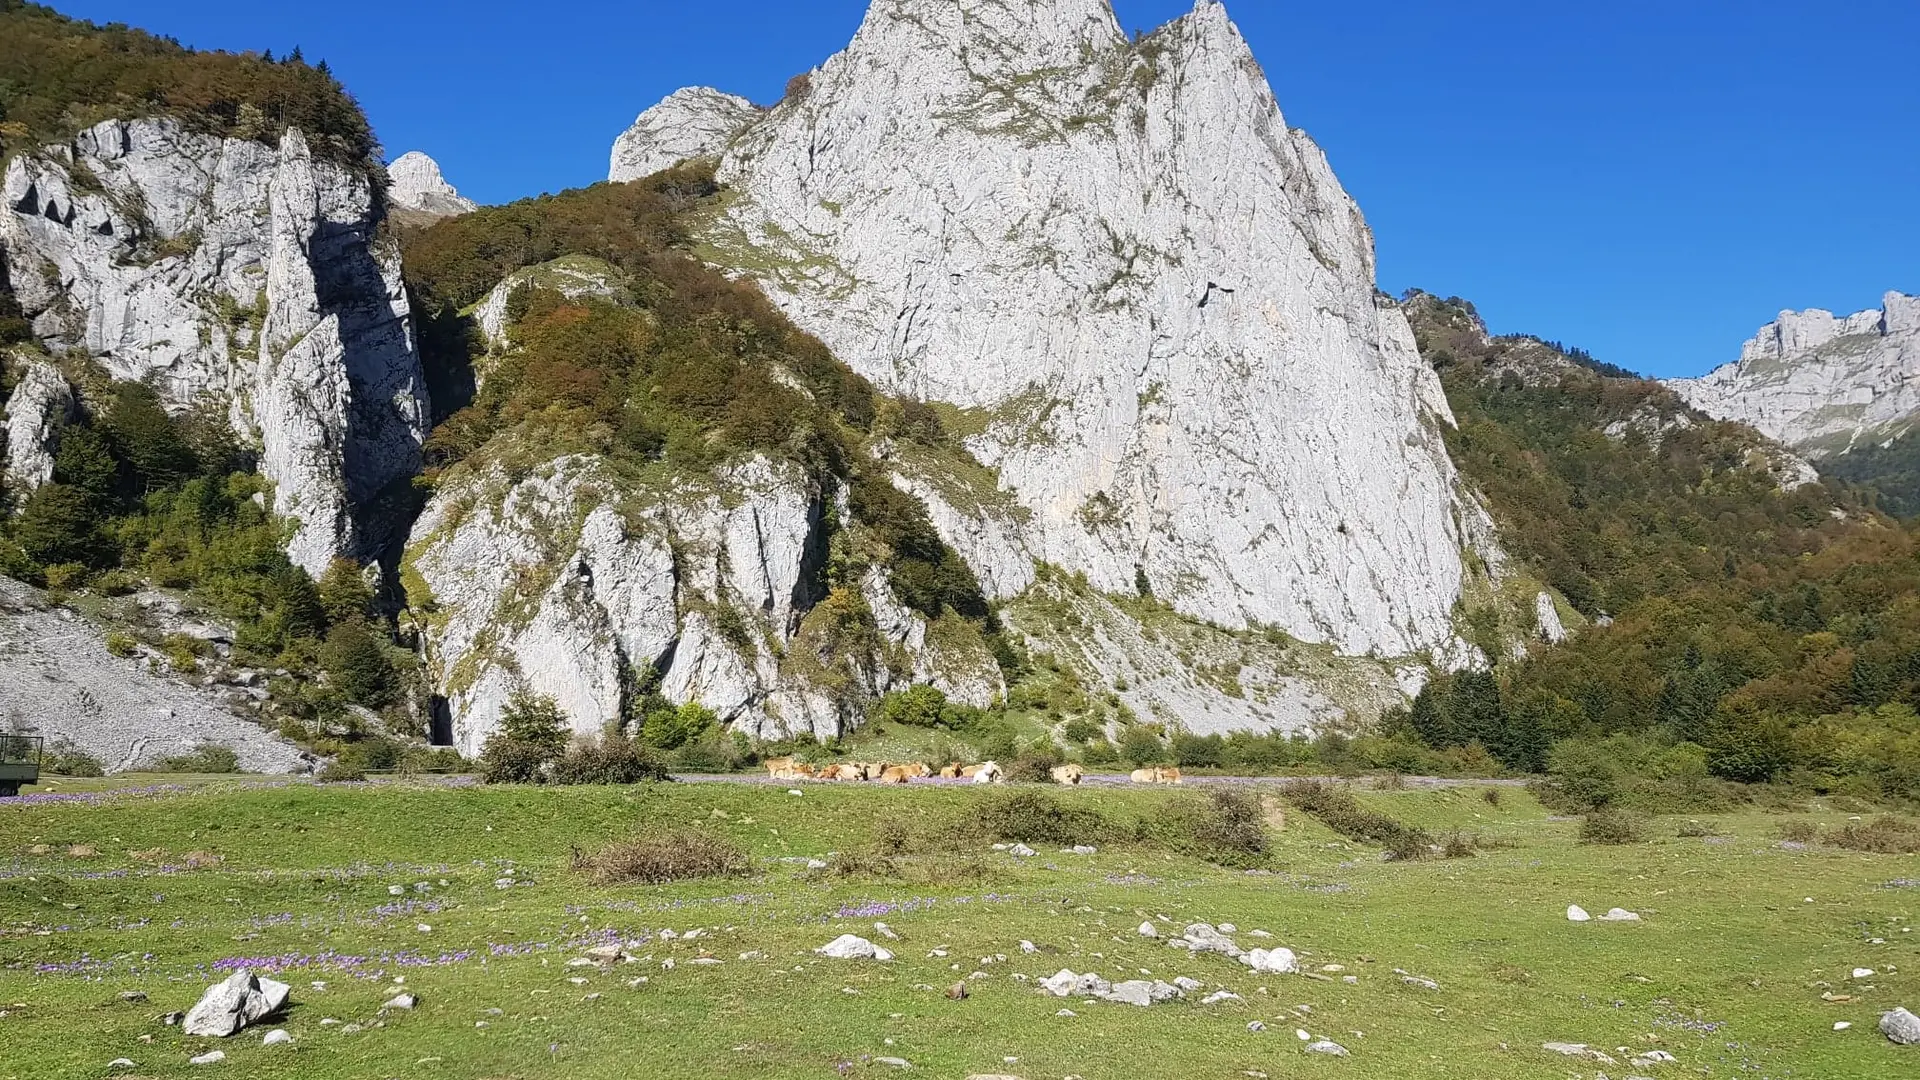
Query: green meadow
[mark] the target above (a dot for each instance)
(1741, 966)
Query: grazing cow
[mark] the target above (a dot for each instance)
(789, 769)
(1068, 774)
(990, 773)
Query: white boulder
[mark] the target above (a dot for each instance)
(229, 1007)
(852, 947)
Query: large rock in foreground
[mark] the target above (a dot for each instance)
(232, 1006)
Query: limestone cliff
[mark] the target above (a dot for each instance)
(1821, 383)
(576, 579)
(236, 275)
(418, 188)
(40, 404)
(1147, 298)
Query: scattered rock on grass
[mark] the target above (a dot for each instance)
(401, 1001)
(1902, 1027)
(1148, 930)
(1620, 915)
(1066, 984)
(120, 1064)
(1327, 1047)
(1576, 913)
(1141, 993)
(1579, 1050)
(212, 1057)
(851, 947)
(1272, 961)
(229, 1007)
(276, 1037)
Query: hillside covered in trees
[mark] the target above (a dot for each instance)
(1752, 627)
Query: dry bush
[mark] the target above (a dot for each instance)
(665, 857)
(1458, 846)
(1883, 836)
(1223, 826)
(1035, 817)
(1336, 808)
(1800, 832)
(1492, 796)
(1611, 826)
(1695, 830)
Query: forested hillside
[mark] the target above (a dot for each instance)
(59, 76)
(1752, 631)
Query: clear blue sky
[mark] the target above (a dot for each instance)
(1649, 179)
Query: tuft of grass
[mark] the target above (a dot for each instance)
(1800, 832)
(1695, 830)
(1611, 826)
(663, 858)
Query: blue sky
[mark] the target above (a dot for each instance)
(1648, 179)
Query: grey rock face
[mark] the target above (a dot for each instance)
(229, 1007)
(1822, 383)
(691, 123)
(40, 404)
(1153, 292)
(235, 276)
(569, 583)
(62, 683)
(418, 186)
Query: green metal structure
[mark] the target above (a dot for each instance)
(19, 762)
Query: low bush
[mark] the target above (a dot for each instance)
(66, 759)
(614, 761)
(1883, 836)
(1696, 830)
(1458, 846)
(507, 760)
(1223, 826)
(665, 857)
(1035, 764)
(1611, 826)
(1336, 808)
(1035, 817)
(1800, 832)
(206, 758)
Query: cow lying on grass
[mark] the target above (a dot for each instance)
(1156, 775)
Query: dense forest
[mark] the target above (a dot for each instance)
(59, 76)
(1747, 633)
(1887, 475)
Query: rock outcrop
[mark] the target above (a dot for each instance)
(417, 187)
(572, 581)
(40, 405)
(691, 123)
(1151, 298)
(235, 275)
(1821, 383)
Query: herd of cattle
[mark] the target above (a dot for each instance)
(789, 770)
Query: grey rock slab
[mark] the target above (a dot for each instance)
(1901, 1027)
(229, 1007)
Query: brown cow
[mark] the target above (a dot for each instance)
(1069, 775)
(897, 774)
(789, 769)
(951, 772)
(1156, 775)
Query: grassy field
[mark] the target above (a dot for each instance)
(1742, 936)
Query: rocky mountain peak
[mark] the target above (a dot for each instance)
(1152, 299)
(1821, 382)
(692, 123)
(418, 186)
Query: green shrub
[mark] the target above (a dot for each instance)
(665, 857)
(1223, 826)
(1198, 751)
(1035, 817)
(1035, 764)
(341, 771)
(206, 758)
(507, 760)
(1140, 746)
(1336, 808)
(924, 707)
(1083, 729)
(1800, 832)
(66, 759)
(122, 645)
(354, 657)
(1612, 825)
(672, 728)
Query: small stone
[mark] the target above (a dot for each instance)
(1188, 985)
(795, 792)
(122, 1063)
(211, 1057)
(133, 996)
(897, 1063)
(1256, 1026)
(396, 890)
(1029, 947)
(1148, 930)
(1021, 851)
(957, 992)
(1863, 973)
(352, 1029)
(1620, 915)
(1220, 996)
(1576, 913)
(276, 1037)
(1327, 1047)
(885, 931)
(1902, 1027)
(1066, 1013)
(1842, 1026)
(850, 947)
(401, 1001)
